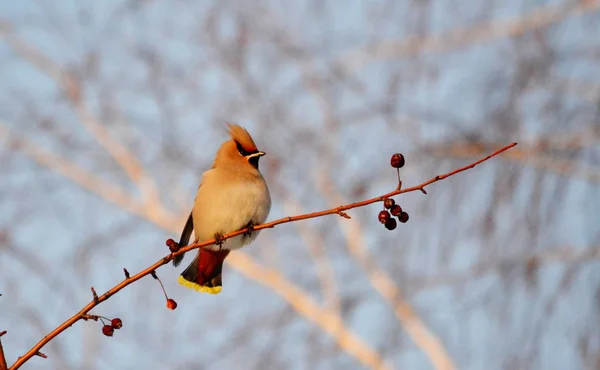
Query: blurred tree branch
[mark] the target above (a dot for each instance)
(384, 284)
(72, 89)
(325, 270)
(541, 16)
(567, 255)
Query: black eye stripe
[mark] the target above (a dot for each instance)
(243, 152)
(241, 149)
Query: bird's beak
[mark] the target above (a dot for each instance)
(257, 155)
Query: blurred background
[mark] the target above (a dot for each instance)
(111, 110)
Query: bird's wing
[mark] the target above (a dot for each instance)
(185, 238)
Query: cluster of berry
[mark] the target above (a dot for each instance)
(115, 323)
(385, 217)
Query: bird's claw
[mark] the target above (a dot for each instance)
(250, 230)
(219, 240)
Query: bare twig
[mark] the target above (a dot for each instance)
(94, 294)
(245, 264)
(3, 365)
(328, 320)
(531, 155)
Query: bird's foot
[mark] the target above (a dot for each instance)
(250, 227)
(219, 240)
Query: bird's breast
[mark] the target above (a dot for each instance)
(222, 209)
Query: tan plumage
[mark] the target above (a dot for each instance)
(232, 195)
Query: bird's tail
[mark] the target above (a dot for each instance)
(204, 273)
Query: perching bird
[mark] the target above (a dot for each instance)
(232, 195)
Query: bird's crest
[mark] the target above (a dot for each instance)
(242, 138)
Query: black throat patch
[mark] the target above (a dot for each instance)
(254, 161)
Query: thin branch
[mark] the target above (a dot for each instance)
(342, 208)
(327, 320)
(533, 156)
(3, 365)
(112, 193)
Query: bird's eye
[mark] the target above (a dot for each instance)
(241, 150)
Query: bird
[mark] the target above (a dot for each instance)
(232, 195)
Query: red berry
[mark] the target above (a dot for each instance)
(384, 216)
(116, 323)
(108, 330)
(388, 203)
(396, 210)
(397, 160)
(403, 217)
(391, 224)
(171, 304)
(173, 246)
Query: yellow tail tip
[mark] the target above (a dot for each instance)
(197, 287)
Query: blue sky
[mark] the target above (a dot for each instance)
(161, 77)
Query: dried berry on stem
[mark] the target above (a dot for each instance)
(396, 210)
(384, 216)
(388, 203)
(173, 245)
(391, 224)
(171, 304)
(403, 217)
(397, 160)
(108, 330)
(116, 323)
